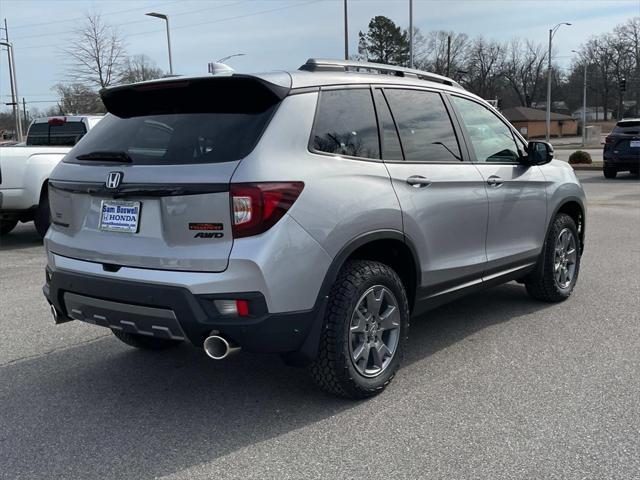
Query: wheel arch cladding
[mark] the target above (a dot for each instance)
(386, 246)
(575, 210)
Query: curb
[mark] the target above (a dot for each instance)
(593, 166)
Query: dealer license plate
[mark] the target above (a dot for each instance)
(119, 216)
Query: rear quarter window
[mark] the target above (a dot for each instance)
(345, 124)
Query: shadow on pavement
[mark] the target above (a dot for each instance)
(102, 410)
(24, 236)
(621, 177)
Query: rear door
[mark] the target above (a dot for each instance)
(149, 185)
(443, 199)
(516, 192)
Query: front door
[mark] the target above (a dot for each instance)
(443, 198)
(516, 192)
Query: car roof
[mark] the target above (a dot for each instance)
(326, 72)
(69, 118)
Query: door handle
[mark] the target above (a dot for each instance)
(494, 181)
(418, 181)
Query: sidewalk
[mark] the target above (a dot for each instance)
(573, 143)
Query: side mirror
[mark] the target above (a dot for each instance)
(538, 153)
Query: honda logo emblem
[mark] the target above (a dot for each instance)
(113, 180)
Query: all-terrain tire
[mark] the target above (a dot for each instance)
(541, 284)
(42, 218)
(333, 369)
(144, 342)
(6, 226)
(610, 172)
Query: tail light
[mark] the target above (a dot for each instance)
(256, 207)
(609, 140)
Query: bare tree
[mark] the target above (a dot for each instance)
(524, 69)
(96, 53)
(599, 52)
(628, 34)
(440, 58)
(139, 68)
(482, 71)
(77, 98)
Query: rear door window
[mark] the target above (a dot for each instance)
(391, 149)
(64, 134)
(345, 124)
(425, 128)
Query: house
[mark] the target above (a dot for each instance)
(531, 122)
(558, 106)
(593, 114)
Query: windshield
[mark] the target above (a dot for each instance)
(629, 127)
(178, 138)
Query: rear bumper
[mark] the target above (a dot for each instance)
(175, 312)
(15, 199)
(620, 160)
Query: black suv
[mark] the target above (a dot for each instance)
(622, 149)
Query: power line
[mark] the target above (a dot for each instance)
(209, 22)
(194, 24)
(63, 32)
(75, 19)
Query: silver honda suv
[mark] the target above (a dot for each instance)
(308, 213)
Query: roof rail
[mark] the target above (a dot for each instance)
(326, 65)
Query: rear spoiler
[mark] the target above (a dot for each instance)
(229, 94)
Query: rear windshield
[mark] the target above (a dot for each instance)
(629, 127)
(178, 138)
(66, 134)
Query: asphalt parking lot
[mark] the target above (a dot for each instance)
(494, 386)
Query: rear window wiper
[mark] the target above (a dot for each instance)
(121, 157)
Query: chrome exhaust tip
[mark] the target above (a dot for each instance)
(54, 313)
(219, 348)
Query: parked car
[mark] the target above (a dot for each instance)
(621, 151)
(25, 168)
(308, 213)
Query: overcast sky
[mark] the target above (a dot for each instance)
(275, 34)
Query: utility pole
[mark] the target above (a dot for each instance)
(448, 55)
(584, 100)
(346, 32)
(410, 33)
(12, 82)
(24, 111)
(584, 106)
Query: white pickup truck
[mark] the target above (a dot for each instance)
(25, 169)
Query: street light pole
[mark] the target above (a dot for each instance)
(552, 32)
(166, 19)
(410, 33)
(584, 101)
